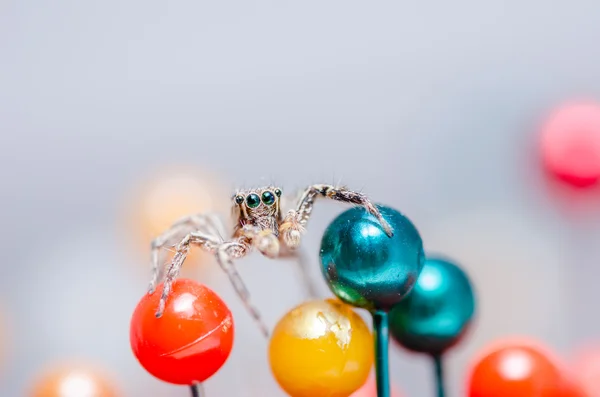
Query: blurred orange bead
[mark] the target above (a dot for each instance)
(74, 380)
(517, 368)
(369, 389)
(166, 197)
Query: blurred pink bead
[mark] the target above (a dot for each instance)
(586, 369)
(369, 389)
(570, 143)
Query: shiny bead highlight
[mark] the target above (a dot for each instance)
(321, 348)
(438, 310)
(365, 267)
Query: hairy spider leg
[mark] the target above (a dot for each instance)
(209, 223)
(224, 253)
(205, 241)
(307, 200)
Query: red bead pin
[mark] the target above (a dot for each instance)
(570, 143)
(190, 342)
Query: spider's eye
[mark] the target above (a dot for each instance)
(239, 200)
(252, 200)
(278, 192)
(268, 198)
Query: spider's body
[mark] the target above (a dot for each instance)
(260, 224)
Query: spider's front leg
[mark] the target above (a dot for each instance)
(295, 221)
(224, 252)
(207, 242)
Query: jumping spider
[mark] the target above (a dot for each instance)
(260, 225)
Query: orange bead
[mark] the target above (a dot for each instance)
(321, 348)
(516, 370)
(75, 380)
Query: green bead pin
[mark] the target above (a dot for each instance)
(436, 314)
(368, 269)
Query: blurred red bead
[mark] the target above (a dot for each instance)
(516, 369)
(570, 143)
(574, 390)
(586, 369)
(190, 342)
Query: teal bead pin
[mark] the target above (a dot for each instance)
(436, 314)
(366, 268)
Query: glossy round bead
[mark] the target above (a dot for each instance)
(278, 192)
(190, 342)
(570, 143)
(516, 370)
(365, 267)
(268, 198)
(321, 348)
(574, 389)
(239, 200)
(73, 380)
(438, 310)
(252, 201)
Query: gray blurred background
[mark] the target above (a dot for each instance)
(431, 108)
